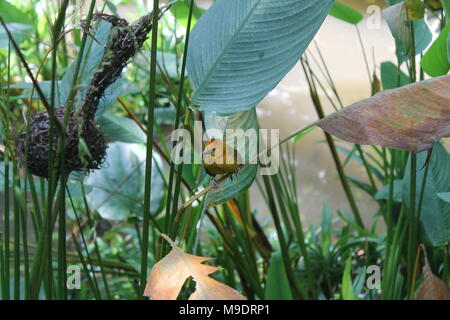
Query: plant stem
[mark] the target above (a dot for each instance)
(412, 239)
(281, 239)
(97, 249)
(149, 155)
(171, 210)
(7, 272)
(332, 146)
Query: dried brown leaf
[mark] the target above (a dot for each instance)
(414, 9)
(170, 273)
(434, 4)
(432, 288)
(411, 118)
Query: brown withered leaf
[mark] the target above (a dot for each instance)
(376, 84)
(170, 273)
(434, 4)
(411, 118)
(415, 9)
(432, 288)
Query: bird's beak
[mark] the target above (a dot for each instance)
(207, 152)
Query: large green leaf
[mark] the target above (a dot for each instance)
(436, 62)
(245, 120)
(28, 87)
(446, 5)
(18, 23)
(435, 212)
(241, 49)
(117, 188)
(345, 13)
(411, 118)
(121, 129)
(180, 11)
(383, 193)
(277, 283)
(19, 31)
(396, 18)
(444, 196)
(392, 77)
(11, 13)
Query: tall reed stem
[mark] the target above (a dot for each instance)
(149, 156)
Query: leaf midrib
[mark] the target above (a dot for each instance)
(227, 46)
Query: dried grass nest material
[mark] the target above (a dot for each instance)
(124, 42)
(38, 144)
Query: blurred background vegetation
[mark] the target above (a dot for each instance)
(294, 235)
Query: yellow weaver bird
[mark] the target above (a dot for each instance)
(219, 159)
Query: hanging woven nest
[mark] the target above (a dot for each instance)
(38, 144)
(33, 143)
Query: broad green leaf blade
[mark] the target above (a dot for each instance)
(444, 196)
(277, 283)
(383, 193)
(409, 118)
(247, 149)
(19, 31)
(180, 11)
(446, 5)
(436, 62)
(11, 13)
(121, 129)
(241, 49)
(392, 77)
(396, 18)
(117, 186)
(347, 285)
(422, 35)
(27, 89)
(345, 13)
(435, 212)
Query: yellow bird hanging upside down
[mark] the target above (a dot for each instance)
(220, 159)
